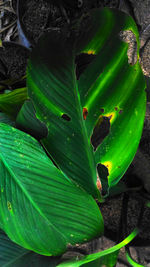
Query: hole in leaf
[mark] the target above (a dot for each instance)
(82, 61)
(102, 110)
(85, 113)
(66, 117)
(129, 37)
(100, 131)
(116, 108)
(103, 175)
(120, 111)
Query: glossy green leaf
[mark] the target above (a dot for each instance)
(112, 88)
(71, 108)
(106, 257)
(10, 103)
(52, 87)
(40, 208)
(13, 255)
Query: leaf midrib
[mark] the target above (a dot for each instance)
(88, 150)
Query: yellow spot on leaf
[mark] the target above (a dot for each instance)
(91, 52)
(111, 116)
(9, 206)
(136, 113)
(107, 164)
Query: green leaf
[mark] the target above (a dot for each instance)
(71, 109)
(106, 257)
(13, 83)
(6, 119)
(40, 208)
(13, 255)
(10, 103)
(52, 87)
(31, 124)
(112, 88)
(131, 261)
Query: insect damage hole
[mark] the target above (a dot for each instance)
(129, 37)
(66, 117)
(82, 61)
(101, 130)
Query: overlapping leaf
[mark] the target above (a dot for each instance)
(31, 124)
(10, 103)
(40, 208)
(107, 257)
(109, 89)
(13, 255)
(52, 86)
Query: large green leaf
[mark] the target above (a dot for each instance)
(40, 208)
(72, 109)
(107, 257)
(112, 88)
(52, 86)
(12, 255)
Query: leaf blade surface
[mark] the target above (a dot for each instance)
(40, 208)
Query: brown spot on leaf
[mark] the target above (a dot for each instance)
(98, 183)
(103, 173)
(9, 206)
(85, 113)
